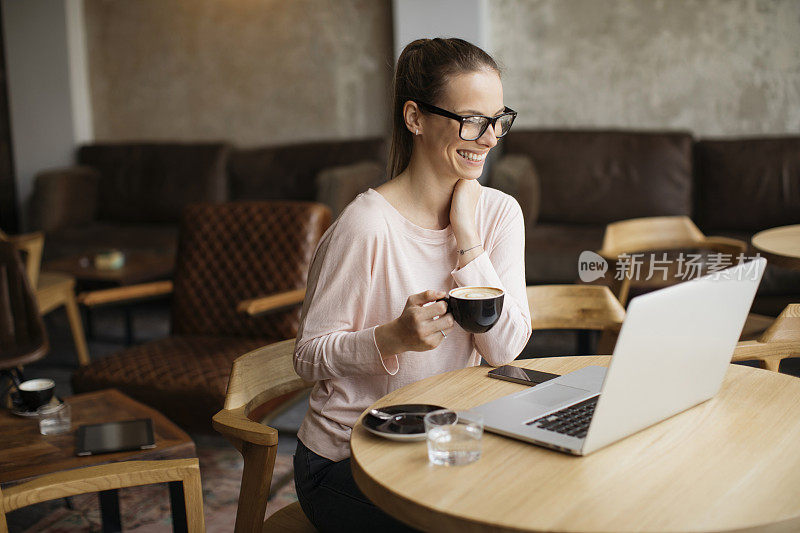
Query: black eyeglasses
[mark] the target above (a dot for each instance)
(473, 126)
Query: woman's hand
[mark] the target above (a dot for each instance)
(416, 330)
(466, 194)
(462, 207)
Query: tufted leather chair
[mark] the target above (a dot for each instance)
(227, 253)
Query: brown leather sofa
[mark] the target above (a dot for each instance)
(571, 183)
(126, 194)
(130, 195)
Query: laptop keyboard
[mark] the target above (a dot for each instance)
(573, 420)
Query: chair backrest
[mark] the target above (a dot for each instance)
(661, 233)
(651, 234)
(262, 375)
(32, 245)
(22, 334)
(242, 250)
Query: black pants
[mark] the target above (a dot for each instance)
(331, 499)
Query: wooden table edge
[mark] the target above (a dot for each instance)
(375, 491)
(185, 450)
(772, 256)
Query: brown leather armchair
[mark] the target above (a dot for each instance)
(228, 255)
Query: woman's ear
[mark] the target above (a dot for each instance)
(413, 117)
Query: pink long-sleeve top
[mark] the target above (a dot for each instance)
(366, 266)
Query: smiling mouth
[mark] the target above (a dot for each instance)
(471, 156)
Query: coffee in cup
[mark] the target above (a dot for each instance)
(475, 309)
(35, 393)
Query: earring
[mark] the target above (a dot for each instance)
(416, 132)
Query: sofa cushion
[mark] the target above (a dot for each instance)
(289, 172)
(514, 174)
(747, 184)
(338, 186)
(64, 197)
(552, 250)
(106, 235)
(597, 177)
(154, 182)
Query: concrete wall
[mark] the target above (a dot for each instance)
(715, 67)
(253, 72)
(39, 89)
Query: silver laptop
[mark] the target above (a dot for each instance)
(672, 354)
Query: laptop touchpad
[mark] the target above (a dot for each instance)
(555, 394)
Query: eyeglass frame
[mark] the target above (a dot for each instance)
(490, 121)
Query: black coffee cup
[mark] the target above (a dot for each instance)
(35, 393)
(475, 309)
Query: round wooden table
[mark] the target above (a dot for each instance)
(780, 245)
(731, 463)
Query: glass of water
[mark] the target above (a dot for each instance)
(55, 419)
(453, 438)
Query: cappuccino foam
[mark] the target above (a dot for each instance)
(475, 293)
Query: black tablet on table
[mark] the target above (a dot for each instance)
(115, 437)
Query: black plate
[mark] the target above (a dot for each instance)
(410, 427)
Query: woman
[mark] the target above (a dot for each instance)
(369, 325)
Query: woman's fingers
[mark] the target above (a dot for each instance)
(422, 298)
(433, 310)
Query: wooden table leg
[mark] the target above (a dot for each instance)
(178, 506)
(585, 342)
(74, 317)
(89, 321)
(109, 511)
(128, 325)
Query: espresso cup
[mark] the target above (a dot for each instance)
(35, 393)
(475, 309)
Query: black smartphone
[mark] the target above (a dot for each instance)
(521, 375)
(115, 437)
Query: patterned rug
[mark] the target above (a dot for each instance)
(146, 509)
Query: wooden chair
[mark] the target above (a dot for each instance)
(780, 341)
(109, 477)
(258, 379)
(53, 289)
(641, 235)
(578, 307)
(23, 339)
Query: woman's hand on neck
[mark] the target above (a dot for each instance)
(466, 194)
(445, 201)
(425, 196)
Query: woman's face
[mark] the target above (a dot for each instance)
(473, 93)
